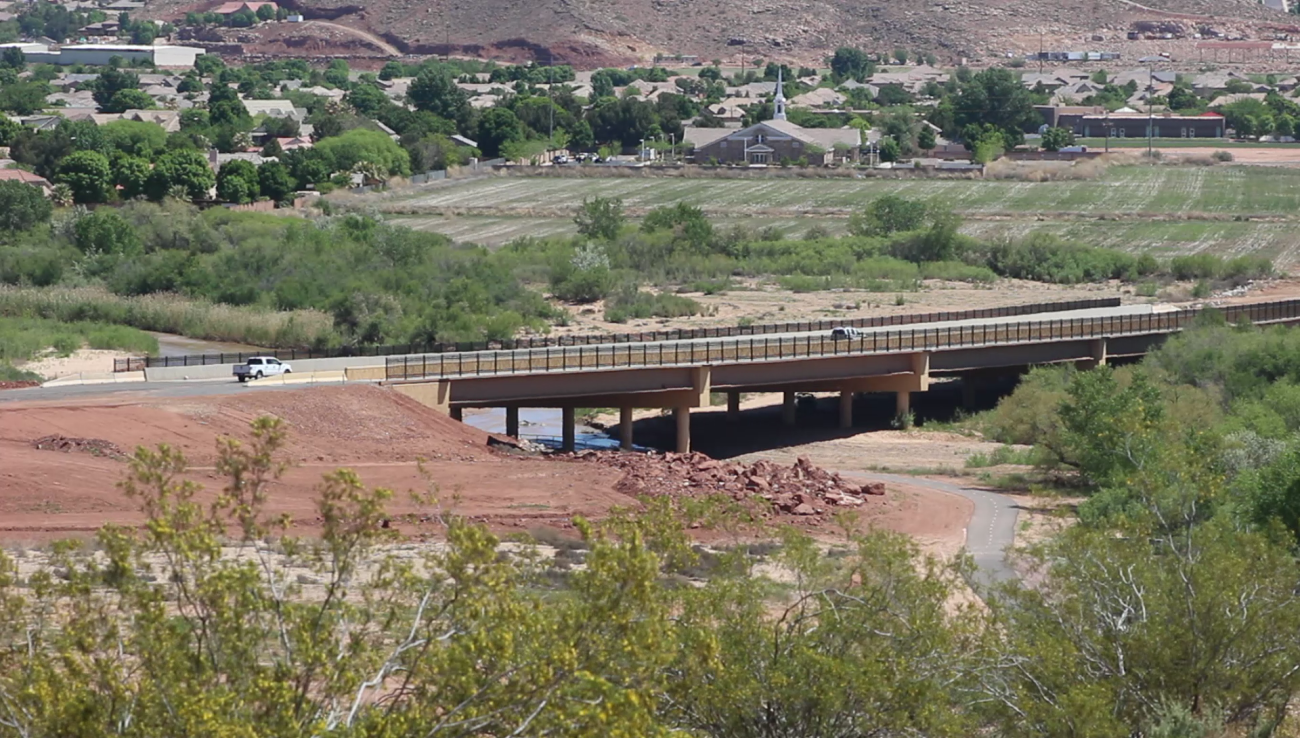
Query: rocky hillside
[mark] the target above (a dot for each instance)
(591, 33)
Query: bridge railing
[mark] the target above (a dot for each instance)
(813, 345)
(678, 334)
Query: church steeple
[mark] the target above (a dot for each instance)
(779, 100)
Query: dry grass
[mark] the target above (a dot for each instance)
(171, 314)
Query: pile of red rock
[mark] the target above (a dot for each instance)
(93, 446)
(801, 489)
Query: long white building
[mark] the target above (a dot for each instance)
(100, 54)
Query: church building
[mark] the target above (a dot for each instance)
(773, 141)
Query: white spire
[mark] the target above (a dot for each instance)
(779, 101)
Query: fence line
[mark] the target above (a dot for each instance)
(682, 334)
(563, 359)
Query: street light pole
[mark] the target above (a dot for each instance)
(1151, 119)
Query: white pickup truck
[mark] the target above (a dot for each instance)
(260, 366)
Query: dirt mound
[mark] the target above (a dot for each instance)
(388, 439)
(92, 446)
(801, 489)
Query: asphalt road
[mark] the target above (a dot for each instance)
(990, 532)
(127, 391)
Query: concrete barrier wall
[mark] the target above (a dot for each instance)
(219, 371)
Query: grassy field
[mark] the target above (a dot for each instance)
(1277, 240)
(24, 339)
(1133, 190)
(1165, 210)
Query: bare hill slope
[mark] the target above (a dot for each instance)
(596, 32)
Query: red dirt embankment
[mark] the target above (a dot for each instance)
(59, 466)
(381, 434)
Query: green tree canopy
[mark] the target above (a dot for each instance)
(237, 182)
(600, 217)
(995, 97)
(105, 231)
(89, 175)
(274, 181)
(136, 138)
(181, 168)
(361, 145)
(131, 173)
(23, 98)
(22, 206)
(435, 91)
(111, 81)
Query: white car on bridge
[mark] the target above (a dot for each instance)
(260, 366)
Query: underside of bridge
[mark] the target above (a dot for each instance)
(683, 388)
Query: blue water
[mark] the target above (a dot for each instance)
(544, 426)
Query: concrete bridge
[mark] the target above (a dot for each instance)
(682, 375)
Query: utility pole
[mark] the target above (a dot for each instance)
(550, 98)
(1151, 119)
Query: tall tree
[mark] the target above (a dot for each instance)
(995, 97)
(89, 175)
(435, 91)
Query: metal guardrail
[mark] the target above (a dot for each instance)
(683, 334)
(587, 358)
(129, 364)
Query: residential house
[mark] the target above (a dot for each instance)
(732, 109)
(325, 92)
(1237, 97)
(216, 159)
(820, 97)
(1143, 77)
(1066, 116)
(753, 89)
(169, 120)
(234, 7)
(294, 142)
(19, 175)
(1211, 82)
(274, 109)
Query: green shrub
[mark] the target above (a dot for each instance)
(629, 302)
(1000, 456)
(956, 271)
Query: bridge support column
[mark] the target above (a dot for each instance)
(1098, 351)
(512, 422)
(902, 403)
(625, 428)
(846, 408)
(733, 406)
(976, 383)
(568, 423)
(456, 413)
(787, 408)
(682, 415)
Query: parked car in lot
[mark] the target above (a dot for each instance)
(845, 333)
(260, 366)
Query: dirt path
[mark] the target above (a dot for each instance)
(383, 45)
